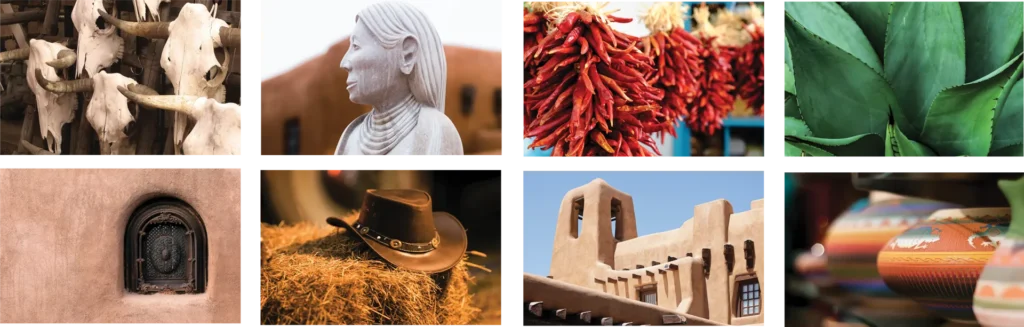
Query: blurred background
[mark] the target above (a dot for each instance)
(305, 105)
(837, 223)
(474, 197)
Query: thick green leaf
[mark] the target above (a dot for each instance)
(858, 145)
(1011, 152)
(806, 149)
(872, 17)
(789, 58)
(829, 21)
(839, 96)
(792, 109)
(793, 150)
(796, 127)
(1020, 45)
(788, 81)
(924, 54)
(992, 30)
(900, 145)
(1008, 132)
(959, 121)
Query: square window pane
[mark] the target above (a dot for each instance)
(757, 302)
(757, 294)
(756, 286)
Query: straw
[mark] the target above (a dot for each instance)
(321, 276)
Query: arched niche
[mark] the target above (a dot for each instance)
(165, 249)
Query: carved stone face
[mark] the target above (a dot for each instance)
(374, 76)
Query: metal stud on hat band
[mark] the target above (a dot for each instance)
(397, 244)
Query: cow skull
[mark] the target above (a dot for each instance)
(107, 111)
(152, 6)
(218, 125)
(98, 44)
(188, 57)
(54, 109)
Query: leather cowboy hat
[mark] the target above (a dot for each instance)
(399, 226)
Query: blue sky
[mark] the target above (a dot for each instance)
(663, 201)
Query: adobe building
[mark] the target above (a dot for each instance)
(708, 271)
(120, 245)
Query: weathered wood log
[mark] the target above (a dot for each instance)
(148, 138)
(536, 308)
(22, 17)
(84, 135)
(584, 316)
(673, 319)
(560, 313)
(50, 21)
(28, 126)
(32, 149)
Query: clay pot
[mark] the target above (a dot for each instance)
(999, 297)
(938, 261)
(854, 239)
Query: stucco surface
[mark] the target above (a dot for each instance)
(61, 255)
(623, 264)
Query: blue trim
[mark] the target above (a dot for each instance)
(535, 152)
(681, 144)
(750, 122)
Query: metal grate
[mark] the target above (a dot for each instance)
(748, 300)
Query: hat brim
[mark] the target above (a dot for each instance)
(450, 249)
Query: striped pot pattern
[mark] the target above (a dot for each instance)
(999, 297)
(938, 261)
(854, 239)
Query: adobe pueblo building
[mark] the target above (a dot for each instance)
(709, 271)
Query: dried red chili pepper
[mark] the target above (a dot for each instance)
(586, 92)
(678, 65)
(750, 65)
(714, 99)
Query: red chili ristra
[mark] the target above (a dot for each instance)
(586, 93)
(748, 70)
(678, 68)
(714, 98)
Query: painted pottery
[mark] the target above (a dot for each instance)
(938, 261)
(854, 239)
(999, 297)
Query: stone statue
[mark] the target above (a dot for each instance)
(396, 64)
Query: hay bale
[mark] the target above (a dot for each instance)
(316, 276)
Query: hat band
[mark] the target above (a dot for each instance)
(409, 247)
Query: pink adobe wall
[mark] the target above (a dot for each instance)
(61, 255)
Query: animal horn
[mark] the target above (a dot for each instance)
(33, 149)
(231, 37)
(147, 97)
(152, 30)
(65, 58)
(73, 86)
(11, 55)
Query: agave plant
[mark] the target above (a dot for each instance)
(904, 78)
